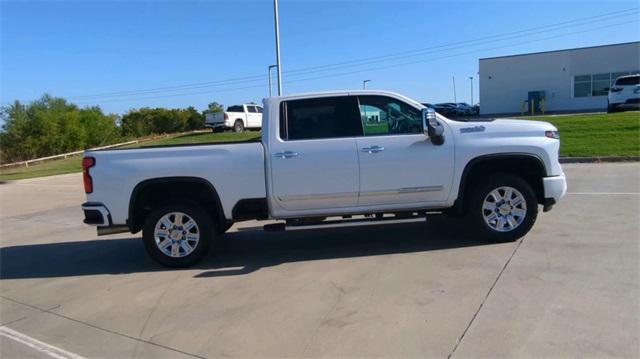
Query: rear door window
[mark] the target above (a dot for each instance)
(325, 117)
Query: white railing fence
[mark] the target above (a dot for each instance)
(75, 153)
(63, 155)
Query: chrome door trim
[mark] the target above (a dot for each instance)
(402, 191)
(308, 197)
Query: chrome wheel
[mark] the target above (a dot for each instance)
(176, 234)
(504, 209)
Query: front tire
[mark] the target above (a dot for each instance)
(502, 208)
(178, 235)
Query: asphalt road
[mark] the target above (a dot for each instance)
(569, 288)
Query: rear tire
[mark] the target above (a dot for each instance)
(611, 109)
(502, 208)
(238, 126)
(178, 235)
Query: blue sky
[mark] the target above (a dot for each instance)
(74, 49)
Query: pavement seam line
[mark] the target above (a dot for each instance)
(475, 315)
(12, 321)
(101, 329)
(153, 310)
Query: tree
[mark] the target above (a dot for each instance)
(147, 121)
(214, 107)
(51, 125)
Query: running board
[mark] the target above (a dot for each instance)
(343, 223)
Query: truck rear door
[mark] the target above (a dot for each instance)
(314, 162)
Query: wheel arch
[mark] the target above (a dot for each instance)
(146, 195)
(526, 165)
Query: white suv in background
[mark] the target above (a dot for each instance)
(238, 118)
(625, 93)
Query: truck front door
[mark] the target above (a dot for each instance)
(313, 160)
(399, 165)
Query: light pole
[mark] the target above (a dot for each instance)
(270, 67)
(454, 90)
(277, 21)
(364, 84)
(471, 78)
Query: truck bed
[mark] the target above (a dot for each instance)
(236, 167)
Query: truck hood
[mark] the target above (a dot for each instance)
(502, 127)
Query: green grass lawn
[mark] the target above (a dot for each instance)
(74, 164)
(206, 137)
(55, 167)
(615, 134)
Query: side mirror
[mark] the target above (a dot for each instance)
(432, 127)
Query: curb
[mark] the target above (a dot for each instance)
(599, 159)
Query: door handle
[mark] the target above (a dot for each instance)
(373, 149)
(285, 154)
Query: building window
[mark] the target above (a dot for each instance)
(601, 84)
(582, 86)
(596, 84)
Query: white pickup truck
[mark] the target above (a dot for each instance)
(238, 118)
(355, 157)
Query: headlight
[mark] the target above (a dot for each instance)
(552, 134)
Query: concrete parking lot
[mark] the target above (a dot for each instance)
(569, 288)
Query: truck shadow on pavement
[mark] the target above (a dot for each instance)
(242, 252)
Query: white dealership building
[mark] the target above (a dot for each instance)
(560, 81)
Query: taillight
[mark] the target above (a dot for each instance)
(226, 116)
(87, 163)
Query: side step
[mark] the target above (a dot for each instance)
(341, 223)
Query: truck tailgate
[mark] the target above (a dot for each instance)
(216, 118)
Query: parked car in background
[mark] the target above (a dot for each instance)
(625, 94)
(446, 109)
(373, 154)
(238, 118)
(464, 109)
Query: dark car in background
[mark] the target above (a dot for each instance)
(452, 109)
(446, 109)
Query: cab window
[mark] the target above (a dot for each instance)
(324, 117)
(381, 115)
(235, 109)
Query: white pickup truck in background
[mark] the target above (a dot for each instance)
(238, 118)
(356, 157)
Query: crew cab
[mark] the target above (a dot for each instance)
(347, 158)
(238, 118)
